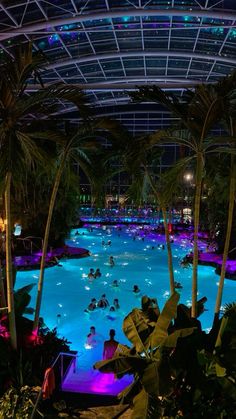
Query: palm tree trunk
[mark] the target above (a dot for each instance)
(228, 235)
(2, 289)
(9, 276)
(167, 235)
(45, 242)
(198, 189)
(169, 251)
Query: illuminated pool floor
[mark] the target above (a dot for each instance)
(67, 290)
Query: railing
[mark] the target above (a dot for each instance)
(63, 370)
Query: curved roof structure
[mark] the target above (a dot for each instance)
(109, 47)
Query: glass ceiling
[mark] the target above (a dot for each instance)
(109, 47)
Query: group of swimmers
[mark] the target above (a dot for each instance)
(109, 346)
(102, 303)
(97, 274)
(94, 274)
(106, 244)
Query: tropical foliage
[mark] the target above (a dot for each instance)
(199, 112)
(18, 145)
(178, 370)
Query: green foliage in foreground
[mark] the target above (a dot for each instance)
(16, 404)
(179, 371)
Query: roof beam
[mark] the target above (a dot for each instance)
(37, 26)
(138, 54)
(109, 86)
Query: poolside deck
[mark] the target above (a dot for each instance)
(80, 380)
(31, 262)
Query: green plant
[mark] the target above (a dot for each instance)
(177, 370)
(148, 359)
(18, 404)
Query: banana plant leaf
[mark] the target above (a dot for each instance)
(223, 325)
(160, 332)
(136, 329)
(130, 391)
(166, 383)
(150, 378)
(22, 299)
(228, 387)
(122, 350)
(121, 365)
(171, 340)
(146, 406)
(220, 371)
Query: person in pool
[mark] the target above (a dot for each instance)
(136, 289)
(91, 273)
(91, 341)
(98, 273)
(178, 285)
(110, 345)
(103, 302)
(115, 283)
(92, 305)
(111, 315)
(116, 304)
(111, 261)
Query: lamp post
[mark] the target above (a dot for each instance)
(188, 177)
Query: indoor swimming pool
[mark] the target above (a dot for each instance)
(140, 260)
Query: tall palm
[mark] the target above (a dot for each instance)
(72, 149)
(198, 113)
(17, 146)
(165, 186)
(140, 158)
(232, 196)
(99, 171)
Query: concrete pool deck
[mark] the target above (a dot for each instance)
(32, 261)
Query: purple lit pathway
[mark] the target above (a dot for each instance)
(94, 382)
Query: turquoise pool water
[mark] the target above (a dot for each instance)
(68, 291)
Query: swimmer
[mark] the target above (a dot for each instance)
(91, 273)
(97, 273)
(92, 305)
(103, 302)
(111, 316)
(136, 289)
(109, 243)
(77, 233)
(178, 285)
(115, 283)
(58, 319)
(116, 304)
(103, 243)
(91, 338)
(111, 261)
(184, 263)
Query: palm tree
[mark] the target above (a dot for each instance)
(140, 158)
(232, 195)
(17, 146)
(99, 171)
(73, 149)
(198, 112)
(163, 189)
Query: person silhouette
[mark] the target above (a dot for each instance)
(110, 345)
